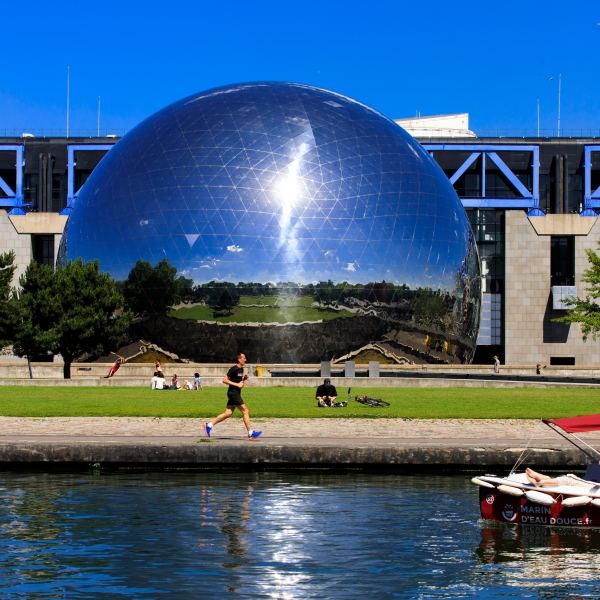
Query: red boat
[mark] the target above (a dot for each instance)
(514, 499)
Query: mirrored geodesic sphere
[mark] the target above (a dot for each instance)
(285, 221)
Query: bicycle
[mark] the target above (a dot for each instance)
(368, 401)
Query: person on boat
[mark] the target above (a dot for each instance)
(540, 480)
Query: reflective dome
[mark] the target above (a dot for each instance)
(300, 225)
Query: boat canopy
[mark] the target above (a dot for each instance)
(577, 424)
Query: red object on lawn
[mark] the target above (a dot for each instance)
(577, 424)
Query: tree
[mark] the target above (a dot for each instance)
(155, 289)
(69, 312)
(7, 298)
(428, 306)
(223, 296)
(586, 312)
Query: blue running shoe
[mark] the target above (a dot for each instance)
(254, 435)
(207, 429)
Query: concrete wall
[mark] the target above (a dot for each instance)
(10, 239)
(15, 234)
(530, 334)
(215, 372)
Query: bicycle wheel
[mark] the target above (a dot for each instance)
(376, 403)
(362, 400)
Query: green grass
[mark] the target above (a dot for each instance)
(272, 300)
(464, 403)
(295, 314)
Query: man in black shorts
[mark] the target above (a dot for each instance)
(235, 380)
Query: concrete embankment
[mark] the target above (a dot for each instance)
(284, 454)
(313, 382)
(392, 376)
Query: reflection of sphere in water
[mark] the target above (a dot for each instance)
(336, 220)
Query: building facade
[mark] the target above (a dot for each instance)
(531, 203)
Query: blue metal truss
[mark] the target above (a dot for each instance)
(15, 199)
(529, 200)
(590, 200)
(71, 149)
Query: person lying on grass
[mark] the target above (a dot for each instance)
(540, 480)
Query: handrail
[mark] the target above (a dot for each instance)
(419, 132)
(500, 133)
(26, 134)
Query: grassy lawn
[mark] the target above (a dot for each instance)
(298, 402)
(295, 314)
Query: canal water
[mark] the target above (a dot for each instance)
(308, 534)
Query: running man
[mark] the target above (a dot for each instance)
(235, 380)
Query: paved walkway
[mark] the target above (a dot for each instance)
(426, 431)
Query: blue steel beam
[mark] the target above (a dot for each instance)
(588, 197)
(71, 149)
(497, 203)
(483, 175)
(490, 149)
(4, 187)
(480, 147)
(464, 167)
(510, 175)
(15, 199)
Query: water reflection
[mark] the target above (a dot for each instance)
(275, 535)
(555, 563)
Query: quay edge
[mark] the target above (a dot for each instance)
(287, 455)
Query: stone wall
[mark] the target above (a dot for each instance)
(530, 334)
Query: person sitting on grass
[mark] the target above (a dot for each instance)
(540, 480)
(326, 394)
(197, 382)
(158, 381)
(187, 385)
(120, 361)
(174, 382)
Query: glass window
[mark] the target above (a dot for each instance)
(43, 249)
(488, 229)
(562, 260)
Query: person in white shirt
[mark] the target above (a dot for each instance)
(158, 381)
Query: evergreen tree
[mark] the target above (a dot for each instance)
(7, 298)
(587, 312)
(69, 312)
(223, 296)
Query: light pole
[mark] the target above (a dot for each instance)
(67, 101)
(559, 78)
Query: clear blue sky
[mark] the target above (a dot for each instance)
(490, 59)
